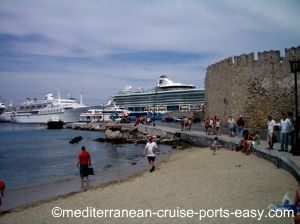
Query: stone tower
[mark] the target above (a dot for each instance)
(252, 88)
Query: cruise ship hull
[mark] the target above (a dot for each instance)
(68, 116)
(5, 117)
(166, 96)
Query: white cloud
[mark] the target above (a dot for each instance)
(99, 31)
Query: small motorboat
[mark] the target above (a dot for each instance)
(55, 123)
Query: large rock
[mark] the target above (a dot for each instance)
(113, 135)
(75, 140)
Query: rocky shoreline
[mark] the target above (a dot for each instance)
(86, 126)
(119, 133)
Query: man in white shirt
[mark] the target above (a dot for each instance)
(150, 149)
(284, 132)
(271, 124)
(231, 126)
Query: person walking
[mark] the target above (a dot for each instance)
(231, 126)
(218, 125)
(189, 124)
(271, 123)
(206, 125)
(240, 126)
(149, 151)
(2, 188)
(214, 124)
(84, 161)
(284, 131)
(182, 124)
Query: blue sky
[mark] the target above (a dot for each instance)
(102, 46)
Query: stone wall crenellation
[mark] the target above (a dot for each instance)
(241, 85)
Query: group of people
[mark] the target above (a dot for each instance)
(186, 123)
(287, 132)
(84, 159)
(143, 120)
(249, 139)
(236, 127)
(212, 125)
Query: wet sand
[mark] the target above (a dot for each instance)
(23, 197)
(29, 195)
(191, 179)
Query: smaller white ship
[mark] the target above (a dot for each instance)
(107, 114)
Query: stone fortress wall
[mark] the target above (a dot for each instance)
(241, 85)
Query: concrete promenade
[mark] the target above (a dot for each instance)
(283, 160)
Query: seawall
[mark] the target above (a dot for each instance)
(253, 87)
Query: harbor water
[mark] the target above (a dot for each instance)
(37, 163)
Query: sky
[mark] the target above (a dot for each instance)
(100, 46)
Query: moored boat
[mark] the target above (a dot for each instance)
(55, 123)
(107, 114)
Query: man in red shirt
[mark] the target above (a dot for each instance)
(84, 161)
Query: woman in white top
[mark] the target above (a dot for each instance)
(150, 150)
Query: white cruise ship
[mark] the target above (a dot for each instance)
(2, 106)
(5, 112)
(41, 111)
(166, 96)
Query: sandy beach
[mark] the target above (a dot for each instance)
(190, 179)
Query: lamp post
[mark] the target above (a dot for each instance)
(154, 107)
(154, 116)
(295, 67)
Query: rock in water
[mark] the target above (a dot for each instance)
(113, 135)
(75, 140)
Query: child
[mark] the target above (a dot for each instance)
(214, 145)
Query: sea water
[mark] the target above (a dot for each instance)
(30, 154)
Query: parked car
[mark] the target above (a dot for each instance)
(168, 119)
(178, 119)
(196, 119)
